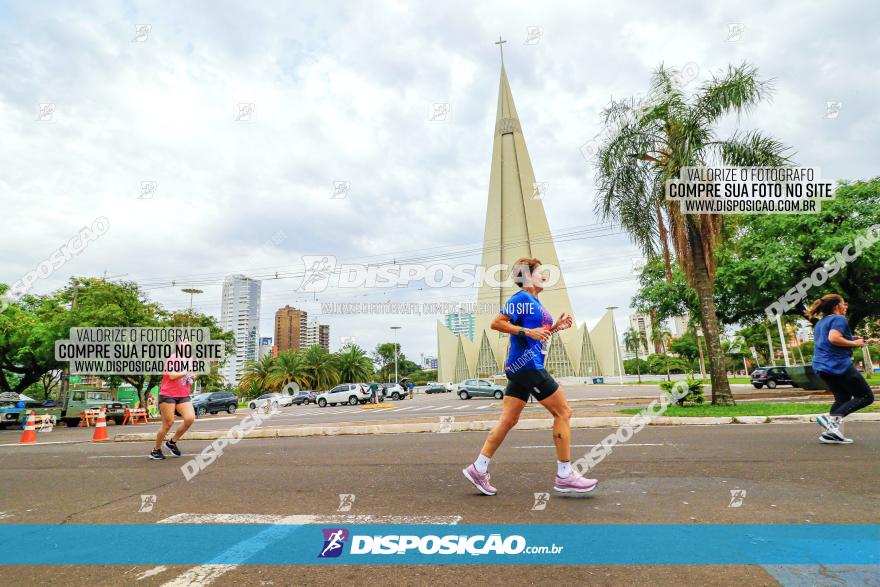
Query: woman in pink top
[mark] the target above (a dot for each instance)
(173, 396)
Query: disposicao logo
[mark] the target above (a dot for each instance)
(334, 541)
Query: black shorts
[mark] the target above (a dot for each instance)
(536, 382)
(164, 399)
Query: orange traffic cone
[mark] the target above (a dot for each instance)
(101, 428)
(30, 430)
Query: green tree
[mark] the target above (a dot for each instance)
(353, 364)
(288, 367)
(633, 340)
(259, 374)
(769, 254)
(320, 368)
(647, 145)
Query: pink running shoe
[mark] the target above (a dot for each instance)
(574, 483)
(480, 480)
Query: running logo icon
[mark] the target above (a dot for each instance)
(317, 272)
(541, 501)
(737, 496)
(334, 541)
(346, 500)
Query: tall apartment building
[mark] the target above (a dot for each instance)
(642, 324)
(679, 325)
(240, 313)
(290, 327)
(316, 334)
(461, 323)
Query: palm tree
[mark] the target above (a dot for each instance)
(257, 373)
(664, 337)
(320, 368)
(288, 367)
(353, 364)
(648, 144)
(632, 340)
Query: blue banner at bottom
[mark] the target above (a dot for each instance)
(275, 544)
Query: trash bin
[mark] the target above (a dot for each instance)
(598, 380)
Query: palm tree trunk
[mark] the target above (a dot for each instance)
(721, 394)
(664, 239)
(638, 367)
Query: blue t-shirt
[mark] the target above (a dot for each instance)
(525, 311)
(829, 358)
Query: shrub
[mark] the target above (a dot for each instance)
(694, 395)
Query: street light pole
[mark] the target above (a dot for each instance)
(396, 351)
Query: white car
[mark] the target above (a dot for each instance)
(276, 400)
(347, 393)
(450, 386)
(392, 391)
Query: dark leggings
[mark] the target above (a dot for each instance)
(851, 391)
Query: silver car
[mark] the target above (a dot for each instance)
(275, 400)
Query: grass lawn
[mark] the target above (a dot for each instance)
(750, 409)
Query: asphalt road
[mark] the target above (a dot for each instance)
(431, 406)
(679, 475)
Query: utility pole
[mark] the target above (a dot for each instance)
(396, 351)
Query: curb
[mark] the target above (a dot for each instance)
(483, 426)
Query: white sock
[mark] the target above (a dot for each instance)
(482, 464)
(563, 469)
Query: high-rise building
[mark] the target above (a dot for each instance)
(679, 325)
(290, 328)
(516, 226)
(641, 323)
(265, 348)
(240, 313)
(316, 334)
(461, 322)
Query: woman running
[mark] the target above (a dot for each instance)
(173, 396)
(530, 327)
(832, 361)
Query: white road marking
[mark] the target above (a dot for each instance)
(38, 443)
(460, 408)
(589, 445)
(483, 407)
(152, 572)
(420, 409)
(403, 409)
(207, 573)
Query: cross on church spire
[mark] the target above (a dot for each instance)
(500, 42)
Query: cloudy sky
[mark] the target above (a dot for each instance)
(93, 108)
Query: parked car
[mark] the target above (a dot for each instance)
(277, 400)
(436, 388)
(771, 377)
(214, 402)
(448, 386)
(392, 391)
(347, 393)
(305, 397)
(479, 388)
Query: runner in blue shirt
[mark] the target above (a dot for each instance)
(530, 327)
(832, 361)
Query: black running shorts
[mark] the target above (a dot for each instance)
(536, 382)
(165, 399)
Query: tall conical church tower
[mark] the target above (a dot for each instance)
(516, 226)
